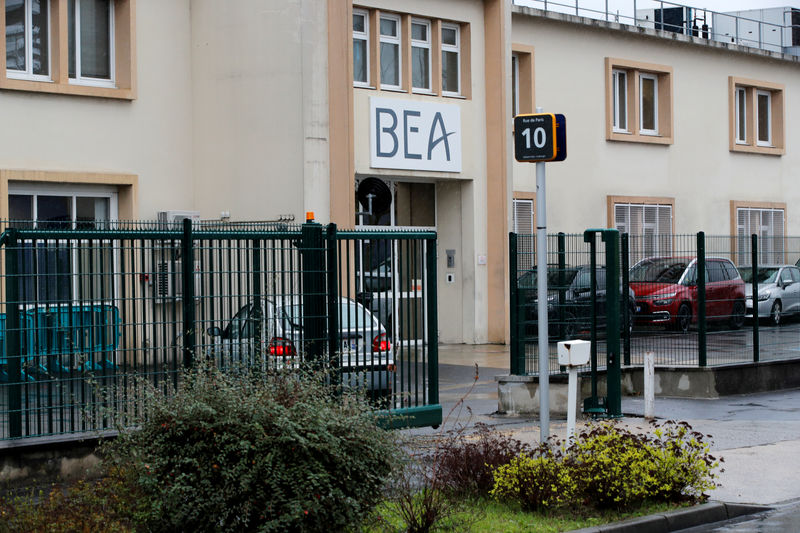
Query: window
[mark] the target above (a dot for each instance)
(648, 104)
(763, 119)
(638, 102)
(514, 84)
(741, 116)
(765, 220)
(648, 223)
(620, 103)
(421, 55)
(522, 79)
(390, 51)
(524, 223)
(360, 48)
(756, 116)
(91, 53)
(52, 268)
(523, 215)
(28, 39)
(451, 58)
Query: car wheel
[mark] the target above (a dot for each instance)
(776, 315)
(737, 315)
(684, 320)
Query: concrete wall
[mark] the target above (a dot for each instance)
(260, 131)
(698, 169)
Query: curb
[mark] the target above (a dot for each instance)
(706, 513)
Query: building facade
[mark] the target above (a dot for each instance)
(268, 109)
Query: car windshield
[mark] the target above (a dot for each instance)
(765, 275)
(663, 270)
(528, 279)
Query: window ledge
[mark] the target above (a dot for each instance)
(393, 89)
(426, 92)
(66, 88)
(638, 138)
(751, 149)
(361, 86)
(456, 96)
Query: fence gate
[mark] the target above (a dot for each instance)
(89, 309)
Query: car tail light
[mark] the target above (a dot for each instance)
(381, 343)
(281, 347)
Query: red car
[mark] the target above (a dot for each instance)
(666, 291)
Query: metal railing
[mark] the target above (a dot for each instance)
(680, 18)
(90, 311)
(685, 298)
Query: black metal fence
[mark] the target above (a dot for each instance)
(91, 310)
(686, 298)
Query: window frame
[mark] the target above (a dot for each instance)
(396, 41)
(123, 58)
(776, 116)
(740, 243)
(450, 48)
(612, 202)
(618, 124)
(635, 71)
(28, 74)
(741, 115)
(363, 36)
(86, 80)
(642, 77)
(428, 45)
(759, 140)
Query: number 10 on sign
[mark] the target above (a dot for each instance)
(540, 137)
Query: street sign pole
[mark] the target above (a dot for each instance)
(541, 289)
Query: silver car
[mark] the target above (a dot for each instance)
(778, 291)
(364, 355)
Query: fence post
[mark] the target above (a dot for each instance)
(701, 299)
(513, 311)
(313, 267)
(258, 313)
(613, 370)
(13, 336)
(562, 291)
(433, 323)
(754, 263)
(333, 296)
(626, 309)
(189, 323)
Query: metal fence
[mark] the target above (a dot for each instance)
(686, 298)
(91, 310)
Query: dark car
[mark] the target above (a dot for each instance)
(569, 301)
(666, 291)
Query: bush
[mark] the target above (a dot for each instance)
(535, 482)
(466, 464)
(246, 451)
(611, 467)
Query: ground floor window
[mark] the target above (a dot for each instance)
(55, 270)
(768, 224)
(648, 225)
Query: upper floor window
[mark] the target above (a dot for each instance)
(360, 47)
(421, 55)
(451, 59)
(638, 102)
(390, 51)
(91, 54)
(757, 116)
(91, 41)
(28, 39)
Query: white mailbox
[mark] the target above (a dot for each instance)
(574, 353)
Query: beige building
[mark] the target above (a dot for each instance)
(264, 109)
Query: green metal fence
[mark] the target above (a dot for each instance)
(688, 299)
(91, 310)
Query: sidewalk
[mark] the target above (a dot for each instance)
(757, 435)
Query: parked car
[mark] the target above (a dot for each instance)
(778, 291)
(571, 317)
(666, 291)
(364, 355)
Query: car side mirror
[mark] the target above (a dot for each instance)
(214, 331)
(785, 283)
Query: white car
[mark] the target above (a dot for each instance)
(778, 291)
(364, 355)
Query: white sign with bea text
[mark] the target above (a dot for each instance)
(411, 135)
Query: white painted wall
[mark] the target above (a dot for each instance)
(698, 170)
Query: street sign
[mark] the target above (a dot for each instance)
(540, 137)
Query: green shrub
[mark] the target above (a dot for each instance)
(241, 451)
(610, 467)
(535, 482)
